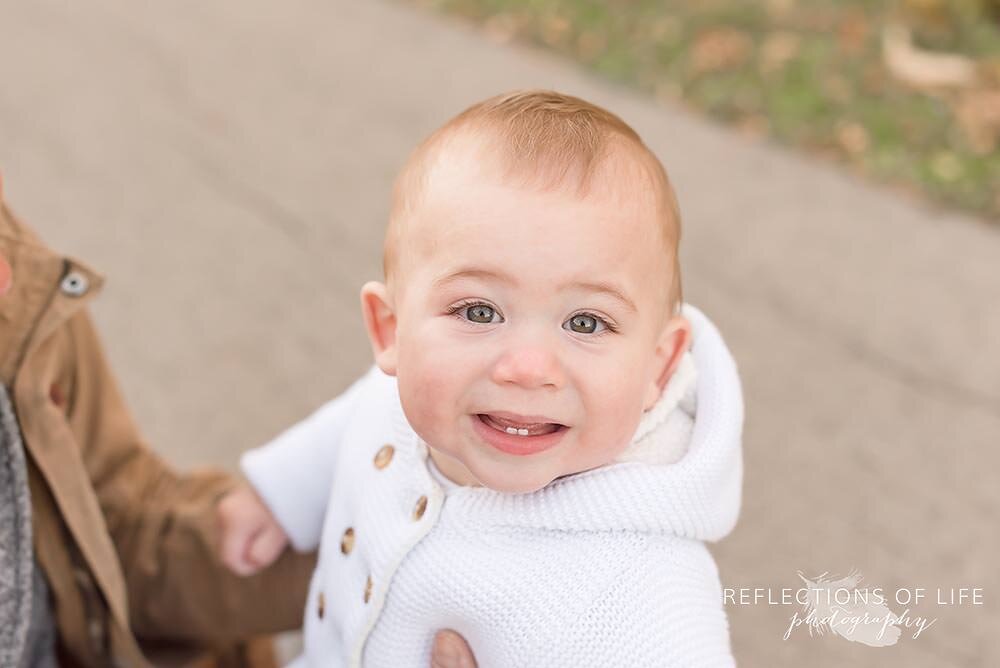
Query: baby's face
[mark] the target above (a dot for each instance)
(530, 328)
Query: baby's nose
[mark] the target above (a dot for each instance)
(529, 366)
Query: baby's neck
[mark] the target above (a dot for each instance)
(452, 469)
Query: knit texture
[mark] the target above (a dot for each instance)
(605, 567)
(15, 539)
(664, 431)
(27, 629)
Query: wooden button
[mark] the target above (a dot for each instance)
(384, 456)
(321, 605)
(347, 541)
(418, 510)
(368, 589)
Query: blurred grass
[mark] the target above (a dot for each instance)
(810, 73)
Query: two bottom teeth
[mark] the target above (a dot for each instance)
(538, 429)
(530, 430)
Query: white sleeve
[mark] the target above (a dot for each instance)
(664, 611)
(293, 472)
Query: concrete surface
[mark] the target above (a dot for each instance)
(227, 165)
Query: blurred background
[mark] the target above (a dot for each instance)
(227, 166)
(904, 91)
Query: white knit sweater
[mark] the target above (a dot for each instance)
(602, 568)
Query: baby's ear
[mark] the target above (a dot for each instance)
(674, 341)
(380, 322)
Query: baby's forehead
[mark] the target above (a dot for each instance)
(609, 171)
(621, 181)
(470, 214)
(476, 219)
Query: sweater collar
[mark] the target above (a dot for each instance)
(696, 497)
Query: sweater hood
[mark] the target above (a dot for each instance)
(696, 497)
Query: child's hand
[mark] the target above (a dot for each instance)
(450, 650)
(251, 539)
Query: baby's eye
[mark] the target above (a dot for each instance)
(586, 323)
(477, 312)
(480, 313)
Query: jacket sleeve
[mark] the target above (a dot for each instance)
(294, 472)
(665, 610)
(162, 523)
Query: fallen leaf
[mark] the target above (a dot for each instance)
(852, 32)
(554, 29)
(777, 50)
(501, 28)
(720, 49)
(754, 126)
(591, 44)
(978, 114)
(853, 138)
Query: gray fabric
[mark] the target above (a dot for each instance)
(39, 646)
(27, 630)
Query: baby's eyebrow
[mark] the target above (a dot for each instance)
(472, 272)
(488, 274)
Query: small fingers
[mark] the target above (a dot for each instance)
(235, 534)
(235, 545)
(266, 546)
(451, 651)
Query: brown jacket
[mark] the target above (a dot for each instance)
(125, 542)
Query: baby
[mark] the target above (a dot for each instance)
(547, 435)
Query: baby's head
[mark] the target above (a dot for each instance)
(531, 305)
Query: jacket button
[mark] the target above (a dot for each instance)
(384, 456)
(347, 541)
(368, 589)
(321, 605)
(74, 284)
(418, 510)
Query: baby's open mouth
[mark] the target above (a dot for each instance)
(519, 428)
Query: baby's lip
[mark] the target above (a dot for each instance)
(525, 420)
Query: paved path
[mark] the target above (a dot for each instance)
(228, 164)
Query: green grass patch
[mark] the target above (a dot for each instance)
(809, 73)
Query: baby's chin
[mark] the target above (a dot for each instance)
(520, 482)
(521, 488)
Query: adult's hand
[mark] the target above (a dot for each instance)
(451, 651)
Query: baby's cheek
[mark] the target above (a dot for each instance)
(434, 381)
(428, 395)
(617, 424)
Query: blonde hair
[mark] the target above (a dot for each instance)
(547, 140)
